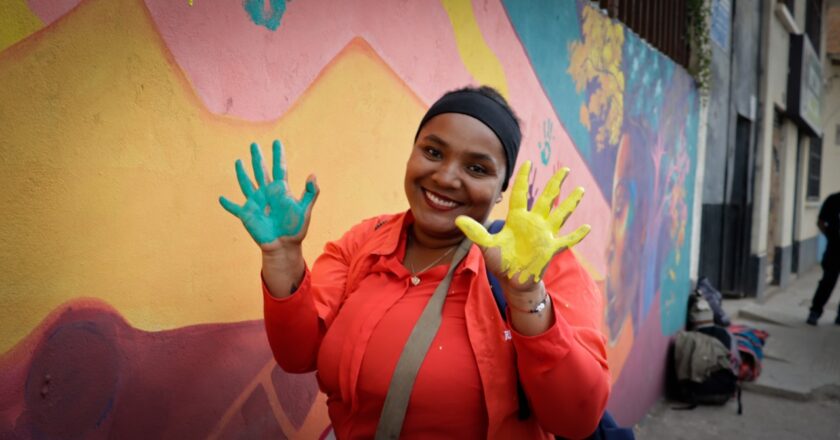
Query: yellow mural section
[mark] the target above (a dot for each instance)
(478, 58)
(111, 172)
(597, 59)
(16, 22)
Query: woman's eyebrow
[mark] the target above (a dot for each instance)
(436, 139)
(481, 157)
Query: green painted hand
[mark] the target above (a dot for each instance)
(269, 211)
(529, 239)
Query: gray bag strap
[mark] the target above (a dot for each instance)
(414, 351)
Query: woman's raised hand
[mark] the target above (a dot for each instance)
(529, 239)
(270, 214)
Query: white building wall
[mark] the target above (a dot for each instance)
(830, 177)
(774, 90)
(787, 207)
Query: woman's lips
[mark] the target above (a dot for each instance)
(439, 202)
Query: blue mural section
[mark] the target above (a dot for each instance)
(633, 116)
(647, 72)
(653, 191)
(546, 28)
(654, 173)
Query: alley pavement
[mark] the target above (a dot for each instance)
(797, 395)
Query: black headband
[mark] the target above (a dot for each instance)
(487, 110)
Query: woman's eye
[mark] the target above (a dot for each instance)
(477, 169)
(433, 153)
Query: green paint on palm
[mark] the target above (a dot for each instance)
(269, 212)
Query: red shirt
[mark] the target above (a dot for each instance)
(352, 315)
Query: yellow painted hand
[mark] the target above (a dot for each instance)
(529, 239)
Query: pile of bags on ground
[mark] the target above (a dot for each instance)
(711, 359)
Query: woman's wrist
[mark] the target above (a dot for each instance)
(529, 301)
(282, 270)
(531, 313)
(534, 308)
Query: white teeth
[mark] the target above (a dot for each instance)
(440, 201)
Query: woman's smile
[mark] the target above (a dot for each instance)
(439, 202)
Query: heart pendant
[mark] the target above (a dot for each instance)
(415, 280)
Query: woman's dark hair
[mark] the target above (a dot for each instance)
(493, 94)
(488, 106)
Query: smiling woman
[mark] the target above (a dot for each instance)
(398, 317)
(457, 167)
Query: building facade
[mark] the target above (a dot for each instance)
(764, 172)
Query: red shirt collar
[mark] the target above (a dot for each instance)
(394, 230)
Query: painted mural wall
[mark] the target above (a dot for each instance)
(131, 302)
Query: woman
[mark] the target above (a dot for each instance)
(351, 315)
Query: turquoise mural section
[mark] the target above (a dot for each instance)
(546, 28)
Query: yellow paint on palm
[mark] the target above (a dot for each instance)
(16, 23)
(529, 239)
(477, 56)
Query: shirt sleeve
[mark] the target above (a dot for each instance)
(564, 370)
(296, 325)
(293, 327)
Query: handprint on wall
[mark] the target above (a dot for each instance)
(545, 145)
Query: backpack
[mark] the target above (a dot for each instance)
(750, 343)
(608, 428)
(704, 368)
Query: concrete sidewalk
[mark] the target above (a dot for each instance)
(801, 361)
(798, 392)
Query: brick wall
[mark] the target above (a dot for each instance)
(832, 24)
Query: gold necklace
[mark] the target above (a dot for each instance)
(415, 279)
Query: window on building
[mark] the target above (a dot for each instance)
(813, 21)
(814, 166)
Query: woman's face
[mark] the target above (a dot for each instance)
(456, 167)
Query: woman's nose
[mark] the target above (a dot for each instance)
(447, 176)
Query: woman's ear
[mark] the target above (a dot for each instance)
(499, 198)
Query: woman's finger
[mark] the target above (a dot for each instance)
(245, 183)
(475, 231)
(231, 207)
(310, 192)
(552, 189)
(307, 201)
(519, 192)
(258, 165)
(562, 212)
(278, 163)
(575, 237)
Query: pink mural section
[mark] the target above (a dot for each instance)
(245, 70)
(51, 10)
(647, 362)
(86, 373)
